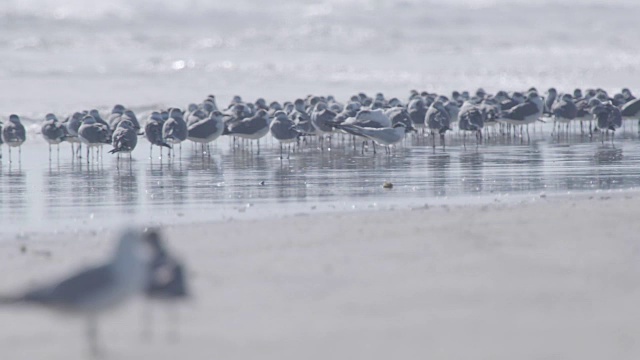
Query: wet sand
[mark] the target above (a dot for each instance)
(551, 277)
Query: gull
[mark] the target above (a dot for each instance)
(471, 119)
(631, 109)
(399, 114)
(53, 132)
(417, 111)
(124, 139)
(94, 291)
(167, 280)
(370, 119)
(72, 123)
(93, 134)
(131, 116)
(153, 132)
(525, 113)
(252, 128)
(563, 111)
(14, 135)
(386, 137)
(174, 130)
(438, 119)
(116, 116)
(302, 119)
(321, 117)
(204, 131)
(552, 95)
(607, 116)
(283, 129)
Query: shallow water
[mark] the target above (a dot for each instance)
(65, 195)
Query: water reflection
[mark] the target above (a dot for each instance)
(199, 187)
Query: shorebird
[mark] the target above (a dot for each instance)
(252, 128)
(204, 131)
(124, 139)
(283, 129)
(438, 119)
(417, 111)
(116, 116)
(153, 132)
(370, 119)
(302, 119)
(72, 123)
(563, 111)
(53, 132)
(607, 116)
(14, 135)
(93, 134)
(386, 137)
(471, 119)
(525, 113)
(93, 292)
(174, 130)
(167, 281)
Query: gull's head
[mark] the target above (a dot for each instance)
(594, 102)
(133, 255)
(299, 104)
(577, 93)
(175, 113)
(50, 116)
(552, 91)
(567, 97)
(94, 113)
(155, 116)
(14, 119)
(481, 93)
(153, 238)
(125, 124)
(130, 114)
(627, 93)
(280, 116)
(88, 119)
(275, 106)
(261, 102)
(117, 109)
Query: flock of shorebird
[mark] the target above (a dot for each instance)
(383, 121)
(141, 265)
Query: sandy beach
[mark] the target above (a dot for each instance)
(549, 277)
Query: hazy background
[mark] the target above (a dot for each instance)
(67, 55)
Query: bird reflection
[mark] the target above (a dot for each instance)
(471, 166)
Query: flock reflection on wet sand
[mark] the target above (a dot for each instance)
(65, 194)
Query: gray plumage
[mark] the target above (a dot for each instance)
(206, 130)
(253, 128)
(437, 118)
(52, 130)
(320, 118)
(93, 291)
(153, 130)
(283, 129)
(125, 138)
(470, 118)
(93, 133)
(174, 130)
(13, 132)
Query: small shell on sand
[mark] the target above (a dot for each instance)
(387, 185)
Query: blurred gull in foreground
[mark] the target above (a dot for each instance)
(167, 281)
(92, 292)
